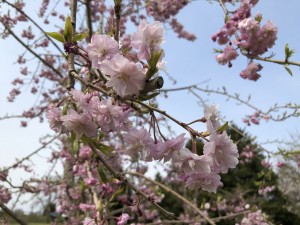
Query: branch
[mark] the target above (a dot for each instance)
(11, 117)
(88, 17)
(41, 29)
(12, 214)
(32, 52)
(199, 221)
(31, 154)
(71, 67)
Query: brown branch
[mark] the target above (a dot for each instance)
(89, 17)
(12, 214)
(71, 67)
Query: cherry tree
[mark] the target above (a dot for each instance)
(97, 69)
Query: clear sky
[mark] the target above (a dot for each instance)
(188, 63)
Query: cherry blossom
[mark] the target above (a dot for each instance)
(102, 47)
(208, 182)
(126, 78)
(211, 115)
(223, 151)
(79, 123)
(139, 142)
(147, 39)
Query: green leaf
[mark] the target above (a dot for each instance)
(288, 52)
(85, 139)
(65, 109)
(102, 175)
(79, 37)
(288, 70)
(68, 31)
(75, 146)
(222, 128)
(57, 36)
(152, 62)
(105, 149)
(148, 97)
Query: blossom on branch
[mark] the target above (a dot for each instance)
(79, 123)
(223, 152)
(102, 47)
(147, 39)
(126, 78)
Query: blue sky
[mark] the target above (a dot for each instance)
(188, 63)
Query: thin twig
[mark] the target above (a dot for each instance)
(31, 154)
(41, 29)
(32, 52)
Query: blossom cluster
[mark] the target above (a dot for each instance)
(220, 153)
(254, 218)
(250, 37)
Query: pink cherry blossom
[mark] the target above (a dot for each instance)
(122, 220)
(255, 218)
(250, 72)
(207, 182)
(85, 152)
(5, 195)
(164, 150)
(228, 54)
(53, 115)
(102, 47)
(190, 162)
(126, 78)
(139, 142)
(255, 39)
(147, 39)
(88, 221)
(82, 100)
(79, 123)
(90, 181)
(223, 152)
(211, 115)
(110, 117)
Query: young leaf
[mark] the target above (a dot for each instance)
(57, 36)
(288, 70)
(223, 127)
(102, 175)
(68, 31)
(105, 149)
(79, 37)
(288, 52)
(75, 146)
(148, 97)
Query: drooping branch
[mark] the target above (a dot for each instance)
(38, 26)
(31, 154)
(32, 52)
